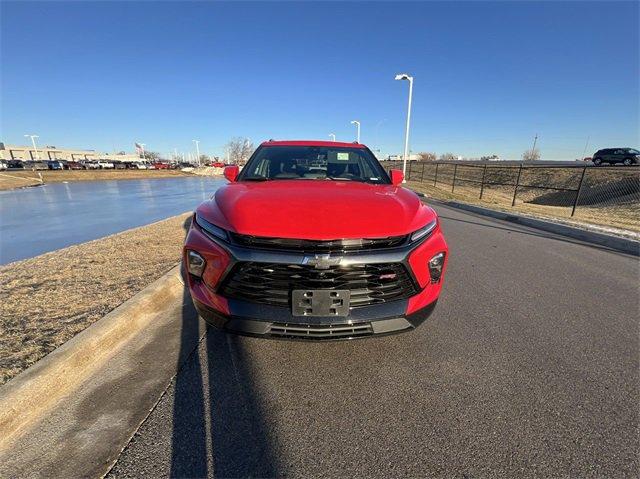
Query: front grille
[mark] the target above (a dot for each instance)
(272, 283)
(317, 245)
(328, 331)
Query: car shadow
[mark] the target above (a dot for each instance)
(218, 425)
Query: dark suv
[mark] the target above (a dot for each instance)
(626, 156)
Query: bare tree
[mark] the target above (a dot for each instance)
(427, 156)
(204, 159)
(531, 155)
(448, 157)
(240, 150)
(151, 155)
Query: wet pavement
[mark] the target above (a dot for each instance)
(41, 219)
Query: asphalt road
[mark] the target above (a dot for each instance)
(528, 367)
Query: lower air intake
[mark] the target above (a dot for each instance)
(320, 331)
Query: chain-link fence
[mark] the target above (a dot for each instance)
(601, 195)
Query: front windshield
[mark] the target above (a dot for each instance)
(634, 152)
(313, 163)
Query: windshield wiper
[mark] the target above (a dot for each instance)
(341, 178)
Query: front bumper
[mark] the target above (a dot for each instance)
(268, 320)
(279, 324)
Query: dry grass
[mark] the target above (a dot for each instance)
(18, 179)
(617, 214)
(46, 300)
(10, 181)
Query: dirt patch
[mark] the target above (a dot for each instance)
(10, 181)
(19, 179)
(46, 300)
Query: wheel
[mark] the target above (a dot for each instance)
(627, 162)
(597, 161)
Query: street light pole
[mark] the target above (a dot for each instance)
(357, 123)
(333, 137)
(197, 142)
(33, 142)
(404, 76)
(142, 149)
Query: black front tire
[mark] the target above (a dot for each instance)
(628, 162)
(597, 161)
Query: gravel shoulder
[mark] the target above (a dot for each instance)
(46, 300)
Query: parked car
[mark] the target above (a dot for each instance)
(90, 165)
(104, 164)
(15, 164)
(158, 165)
(37, 165)
(74, 165)
(276, 253)
(218, 164)
(54, 165)
(626, 156)
(3, 165)
(138, 165)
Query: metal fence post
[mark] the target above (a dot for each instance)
(435, 179)
(484, 172)
(422, 173)
(453, 183)
(515, 191)
(409, 172)
(575, 202)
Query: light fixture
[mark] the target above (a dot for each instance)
(196, 263)
(424, 231)
(210, 228)
(435, 267)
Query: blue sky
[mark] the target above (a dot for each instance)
(488, 75)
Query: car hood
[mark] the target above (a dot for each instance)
(316, 209)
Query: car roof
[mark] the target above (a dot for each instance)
(339, 144)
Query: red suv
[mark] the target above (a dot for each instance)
(314, 240)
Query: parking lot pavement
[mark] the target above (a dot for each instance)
(529, 366)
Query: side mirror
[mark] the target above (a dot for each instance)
(396, 177)
(231, 173)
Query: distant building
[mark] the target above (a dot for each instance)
(16, 152)
(491, 158)
(412, 157)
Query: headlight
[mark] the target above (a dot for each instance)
(211, 228)
(195, 263)
(424, 231)
(435, 267)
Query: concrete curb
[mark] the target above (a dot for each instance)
(30, 395)
(624, 245)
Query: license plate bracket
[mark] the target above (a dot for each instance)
(320, 302)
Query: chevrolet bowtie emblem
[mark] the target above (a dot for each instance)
(322, 261)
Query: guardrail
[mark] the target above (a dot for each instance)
(601, 195)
